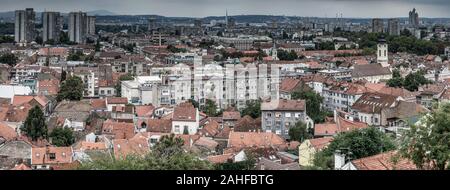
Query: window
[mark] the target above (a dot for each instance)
(177, 129)
(376, 120)
(287, 115)
(52, 156)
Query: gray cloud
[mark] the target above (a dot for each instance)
(200, 8)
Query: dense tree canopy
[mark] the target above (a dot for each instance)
(71, 89)
(6, 39)
(411, 82)
(62, 136)
(361, 143)
(300, 132)
(286, 56)
(9, 59)
(313, 104)
(427, 144)
(34, 126)
(210, 108)
(167, 154)
(252, 108)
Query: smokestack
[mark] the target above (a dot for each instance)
(339, 160)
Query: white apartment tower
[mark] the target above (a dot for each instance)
(383, 53)
(24, 26)
(77, 27)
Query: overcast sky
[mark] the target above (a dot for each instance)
(201, 8)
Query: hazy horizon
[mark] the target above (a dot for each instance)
(204, 8)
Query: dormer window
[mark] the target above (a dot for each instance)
(52, 156)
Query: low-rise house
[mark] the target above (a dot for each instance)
(6, 132)
(278, 116)
(156, 125)
(325, 130)
(115, 102)
(46, 158)
(384, 161)
(241, 140)
(123, 113)
(228, 158)
(373, 73)
(229, 118)
(43, 102)
(14, 152)
(248, 124)
(369, 106)
(185, 119)
(288, 86)
(137, 146)
(266, 164)
(430, 94)
(118, 130)
(308, 149)
(74, 113)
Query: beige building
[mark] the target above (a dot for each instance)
(308, 149)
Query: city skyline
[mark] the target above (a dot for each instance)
(177, 8)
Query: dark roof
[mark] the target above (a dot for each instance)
(370, 70)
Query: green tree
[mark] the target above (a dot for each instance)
(78, 56)
(34, 125)
(252, 108)
(63, 76)
(427, 144)
(300, 132)
(313, 104)
(118, 86)
(396, 80)
(414, 80)
(62, 137)
(167, 154)
(361, 143)
(286, 56)
(71, 89)
(9, 59)
(210, 108)
(6, 39)
(98, 46)
(194, 103)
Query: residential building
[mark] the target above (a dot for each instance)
(91, 25)
(185, 119)
(277, 116)
(47, 158)
(377, 25)
(77, 27)
(391, 160)
(414, 18)
(373, 73)
(52, 24)
(394, 26)
(25, 26)
(309, 148)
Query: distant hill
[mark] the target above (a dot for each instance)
(100, 13)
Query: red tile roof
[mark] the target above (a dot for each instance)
(7, 132)
(144, 111)
(284, 105)
(254, 139)
(384, 161)
(116, 100)
(289, 84)
(325, 129)
(120, 130)
(320, 143)
(138, 145)
(184, 112)
(62, 155)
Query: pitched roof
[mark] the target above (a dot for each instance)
(98, 104)
(210, 129)
(138, 145)
(120, 130)
(370, 70)
(7, 132)
(21, 167)
(289, 84)
(116, 100)
(158, 125)
(231, 115)
(284, 105)
(217, 159)
(384, 161)
(184, 112)
(144, 110)
(325, 129)
(43, 155)
(254, 139)
(345, 125)
(83, 145)
(373, 102)
(320, 143)
(248, 124)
